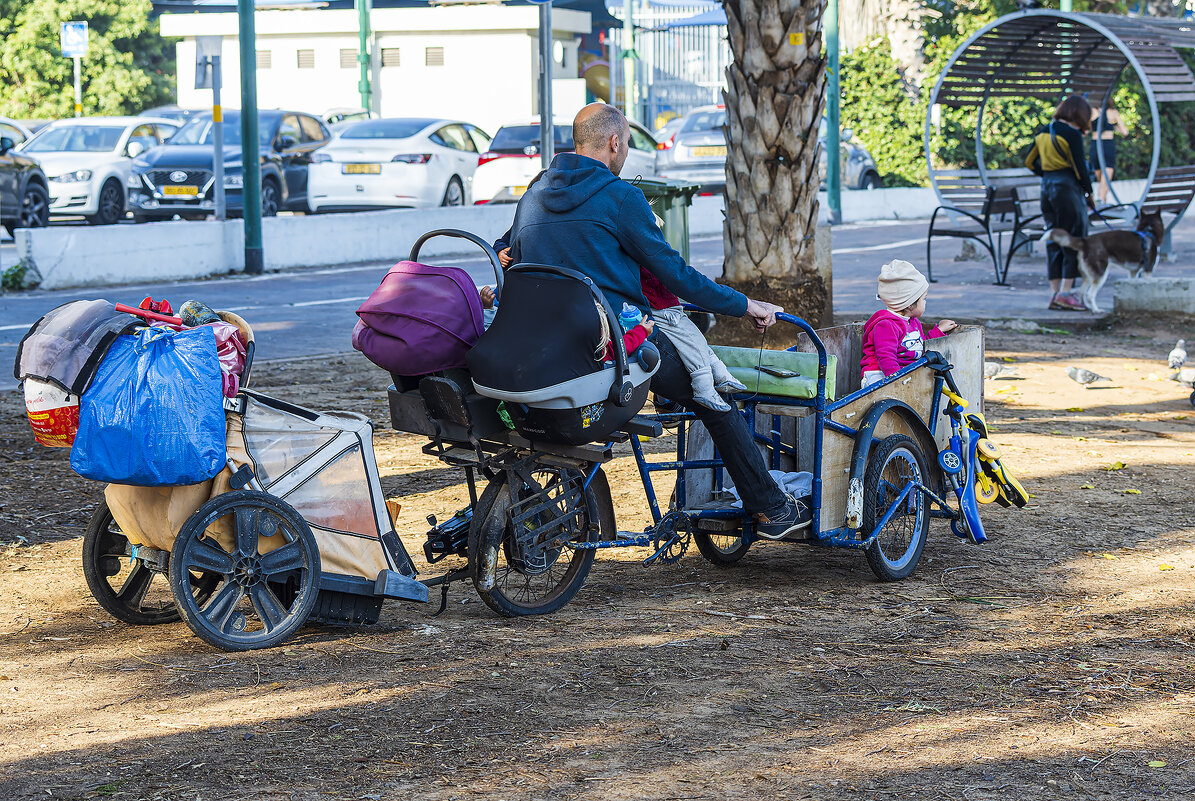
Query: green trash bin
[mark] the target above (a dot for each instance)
(670, 200)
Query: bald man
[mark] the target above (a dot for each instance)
(579, 214)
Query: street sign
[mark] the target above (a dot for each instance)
(207, 48)
(73, 37)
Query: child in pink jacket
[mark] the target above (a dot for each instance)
(893, 338)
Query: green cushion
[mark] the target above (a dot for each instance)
(742, 364)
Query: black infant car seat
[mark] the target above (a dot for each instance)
(544, 356)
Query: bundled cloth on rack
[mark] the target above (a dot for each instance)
(65, 347)
(798, 485)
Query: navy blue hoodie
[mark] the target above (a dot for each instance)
(578, 214)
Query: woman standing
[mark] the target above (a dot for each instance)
(1057, 156)
(1104, 140)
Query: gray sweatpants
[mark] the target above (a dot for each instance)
(705, 369)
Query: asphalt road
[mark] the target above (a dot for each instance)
(311, 312)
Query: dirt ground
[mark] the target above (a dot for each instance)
(1056, 661)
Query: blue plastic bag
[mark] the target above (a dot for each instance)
(154, 414)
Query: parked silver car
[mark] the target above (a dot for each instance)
(696, 152)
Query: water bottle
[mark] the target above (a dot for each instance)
(630, 317)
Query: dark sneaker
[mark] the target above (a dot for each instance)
(795, 516)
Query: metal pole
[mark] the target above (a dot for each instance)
(629, 95)
(547, 140)
(78, 86)
(218, 138)
(833, 146)
(250, 156)
(364, 10)
(1065, 5)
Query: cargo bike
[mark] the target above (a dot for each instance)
(297, 528)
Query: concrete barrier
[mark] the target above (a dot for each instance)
(376, 236)
(1153, 295)
(76, 256)
(81, 256)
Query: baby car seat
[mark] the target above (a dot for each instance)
(544, 355)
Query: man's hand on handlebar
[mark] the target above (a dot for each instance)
(761, 314)
(504, 258)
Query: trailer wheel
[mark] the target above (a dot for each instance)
(723, 550)
(125, 587)
(262, 598)
(894, 462)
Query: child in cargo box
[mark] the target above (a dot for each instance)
(708, 374)
(894, 338)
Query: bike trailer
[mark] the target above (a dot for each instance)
(545, 357)
(322, 464)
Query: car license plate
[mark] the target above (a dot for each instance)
(183, 191)
(362, 169)
(518, 191)
(710, 150)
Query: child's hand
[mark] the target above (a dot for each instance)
(946, 326)
(487, 297)
(504, 258)
(648, 326)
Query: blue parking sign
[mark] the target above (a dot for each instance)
(74, 39)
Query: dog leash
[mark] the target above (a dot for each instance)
(1103, 219)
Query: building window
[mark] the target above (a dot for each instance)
(434, 57)
(263, 59)
(348, 57)
(306, 59)
(390, 57)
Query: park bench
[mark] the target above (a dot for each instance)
(978, 208)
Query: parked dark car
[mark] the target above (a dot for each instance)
(24, 200)
(171, 111)
(178, 177)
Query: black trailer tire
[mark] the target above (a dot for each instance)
(490, 540)
(105, 556)
(894, 461)
(246, 611)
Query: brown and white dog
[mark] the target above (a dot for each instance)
(1135, 251)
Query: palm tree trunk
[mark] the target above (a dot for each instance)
(774, 102)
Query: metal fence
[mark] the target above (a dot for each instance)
(678, 68)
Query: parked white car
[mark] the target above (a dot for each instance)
(513, 158)
(87, 161)
(402, 162)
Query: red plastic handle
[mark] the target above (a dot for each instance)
(147, 314)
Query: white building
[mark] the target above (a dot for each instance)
(477, 63)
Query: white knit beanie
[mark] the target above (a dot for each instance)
(901, 285)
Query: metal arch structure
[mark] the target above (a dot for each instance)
(1048, 54)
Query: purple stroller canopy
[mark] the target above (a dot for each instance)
(422, 319)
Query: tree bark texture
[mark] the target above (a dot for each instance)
(775, 97)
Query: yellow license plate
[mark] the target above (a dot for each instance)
(518, 191)
(186, 191)
(362, 169)
(710, 150)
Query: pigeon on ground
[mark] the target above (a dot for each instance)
(1185, 376)
(998, 371)
(1177, 357)
(1085, 377)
